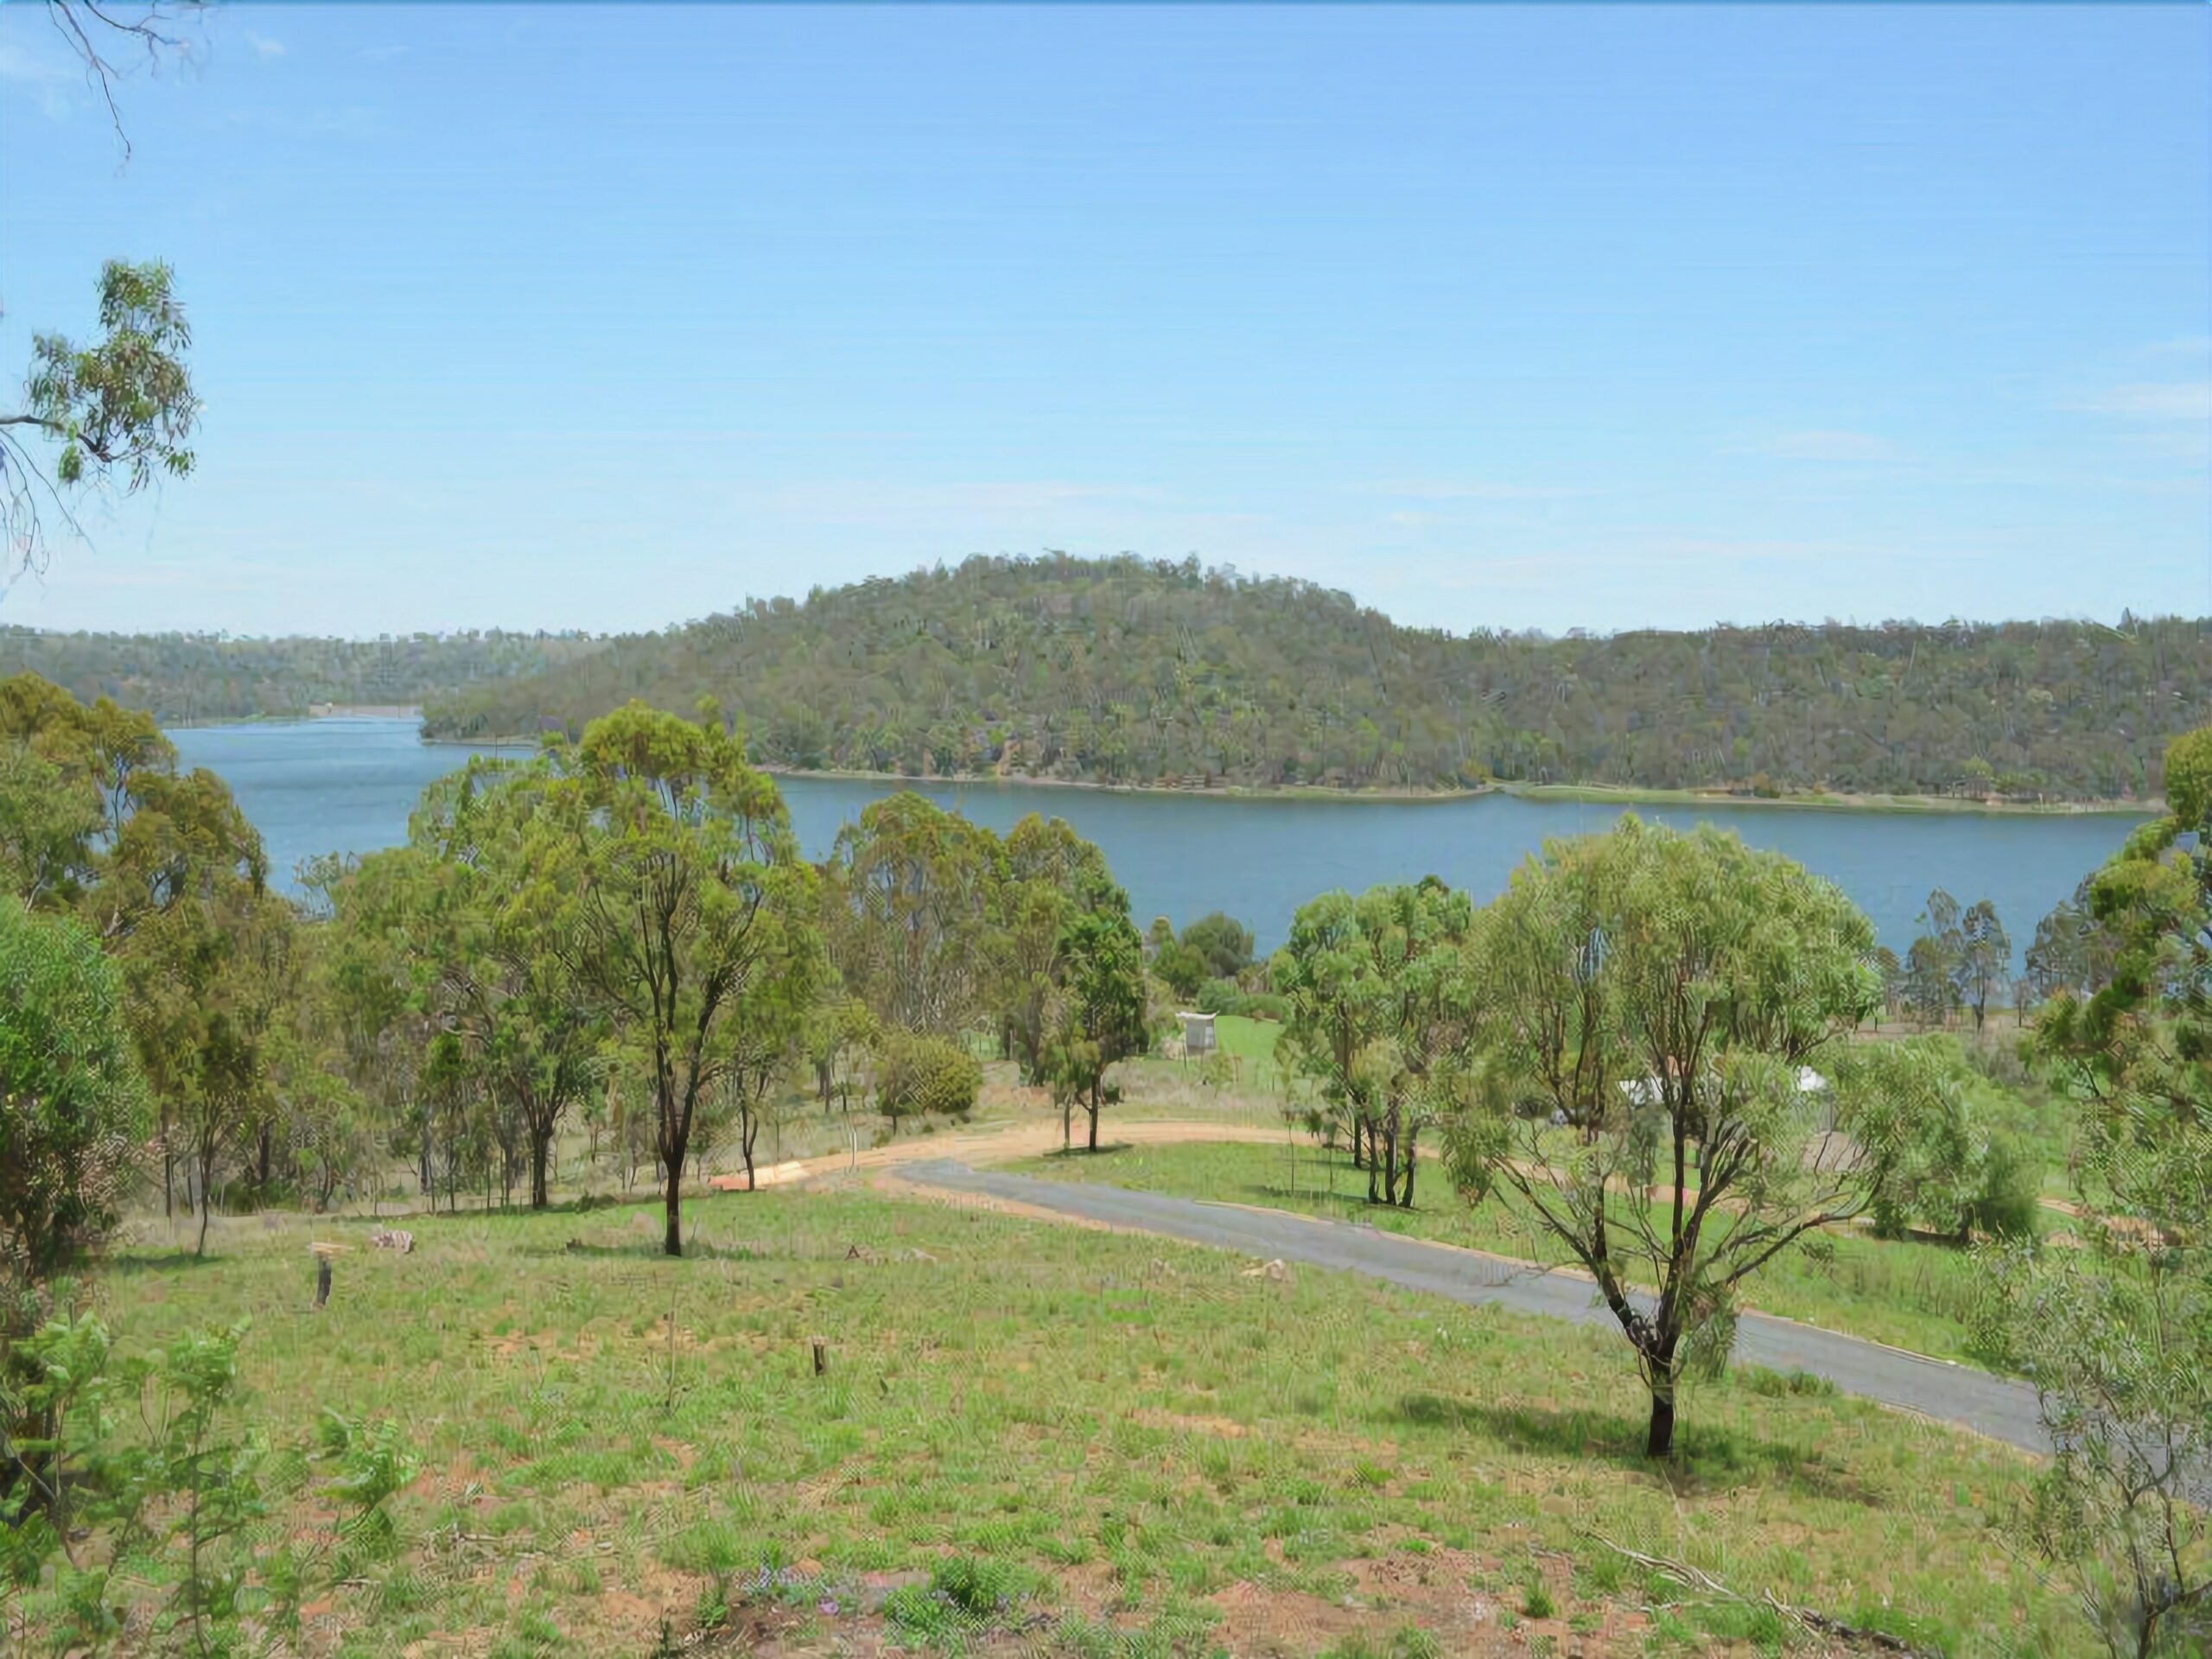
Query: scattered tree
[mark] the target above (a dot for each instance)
(1660, 993)
(667, 875)
(1102, 1008)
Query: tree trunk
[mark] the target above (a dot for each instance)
(541, 1150)
(206, 1167)
(1358, 1161)
(1373, 1196)
(261, 1182)
(1091, 1106)
(1659, 1442)
(1413, 1136)
(672, 1244)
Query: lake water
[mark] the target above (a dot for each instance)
(347, 785)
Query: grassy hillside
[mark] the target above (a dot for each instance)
(1126, 672)
(182, 677)
(1046, 1438)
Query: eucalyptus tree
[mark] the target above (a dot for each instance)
(664, 869)
(1379, 1005)
(119, 411)
(1336, 1015)
(501, 979)
(1100, 1007)
(1051, 875)
(211, 977)
(1983, 956)
(2117, 1337)
(2072, 949)
(182, 901)
(1662, 994)
(378, 990)
(838, 1034)
(912, 897)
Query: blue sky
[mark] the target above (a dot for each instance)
(1603, 317)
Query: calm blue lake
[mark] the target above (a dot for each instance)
(347, 785)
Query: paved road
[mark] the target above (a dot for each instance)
(1995, 1406)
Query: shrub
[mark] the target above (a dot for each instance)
(1537, 1599)
(2010, 1197)
(1179, 968)
(74, 1101)
(1219, 997)
(916, 1075)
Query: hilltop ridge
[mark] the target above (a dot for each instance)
(1132, 673)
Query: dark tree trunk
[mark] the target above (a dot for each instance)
(674, 1139)
(1092, 1107)
(1659, 1442)
(1413, 1136)
(261, 1182)
(541, 1155)
(1358, 1156)
(1390, 1158)
(672, 1242)
(207, 1161)
(1373, 1196)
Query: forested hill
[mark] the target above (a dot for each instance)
(182, 677)
(1130, 672)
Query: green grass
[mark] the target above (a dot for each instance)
(1031, 1426)
(1908, 1293)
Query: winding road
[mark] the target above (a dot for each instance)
(1997, 1407)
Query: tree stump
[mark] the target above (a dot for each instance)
(821, 1357)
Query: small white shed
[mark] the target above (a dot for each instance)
(1197, 1033)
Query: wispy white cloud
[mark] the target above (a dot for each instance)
(262, 46)
(2184, 345)
(2161, 400)
(379, 53)
(1822, 445)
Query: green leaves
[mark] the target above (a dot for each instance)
(662, 871)
(122, 409)
(73, 1107)
(1646, 1008)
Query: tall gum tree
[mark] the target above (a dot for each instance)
(502, 983)
(667, 874)
(1644, 1005)
(1379, 1006)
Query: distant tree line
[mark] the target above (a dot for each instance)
(181, 678)
(1125, 671)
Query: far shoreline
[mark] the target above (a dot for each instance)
(1597, 794)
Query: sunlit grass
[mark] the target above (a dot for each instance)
(1912, 1295)
(1123, 1426)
